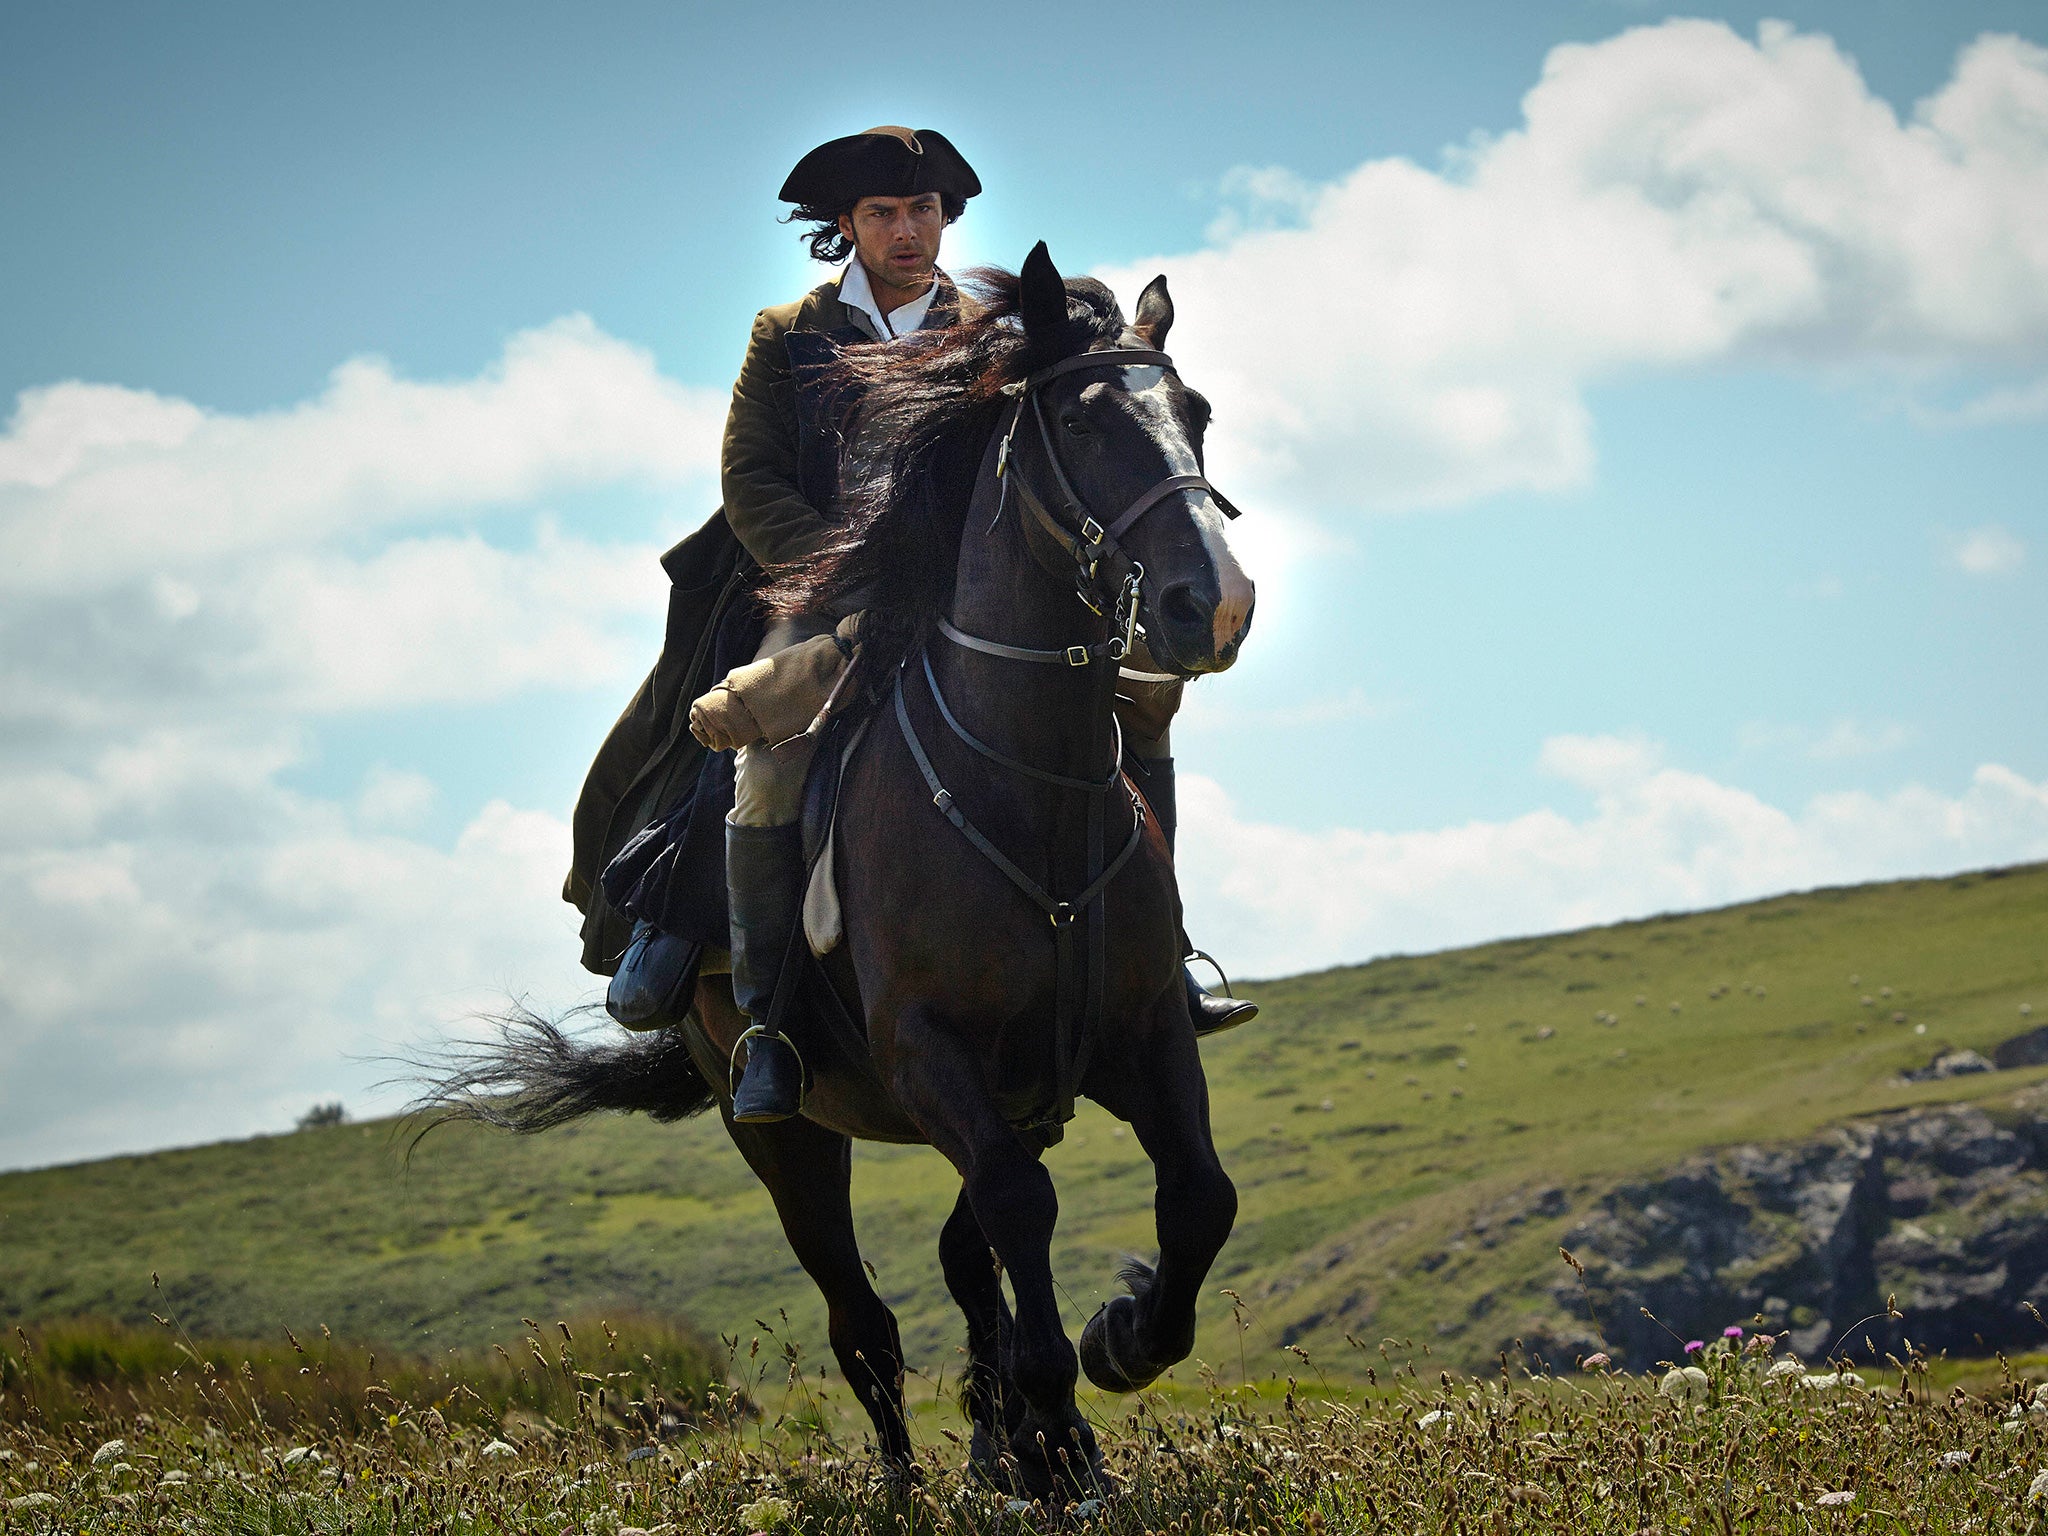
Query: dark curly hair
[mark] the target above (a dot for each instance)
(824, 238)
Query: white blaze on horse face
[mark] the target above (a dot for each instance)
(1234, 587)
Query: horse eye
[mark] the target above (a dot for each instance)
(1075, 425)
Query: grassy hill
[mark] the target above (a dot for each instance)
(1410, 1139)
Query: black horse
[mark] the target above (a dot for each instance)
(1013, 931)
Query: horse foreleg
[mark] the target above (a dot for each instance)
(1012, 1201)
(993, 1405)
(1156, 1084)
(809, 1173)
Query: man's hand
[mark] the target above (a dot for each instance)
(721, 720)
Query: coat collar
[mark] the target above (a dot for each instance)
(832, 313)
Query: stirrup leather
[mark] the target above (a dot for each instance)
(733, 1071)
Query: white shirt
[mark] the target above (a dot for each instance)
(856, 292)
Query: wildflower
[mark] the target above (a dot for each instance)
(299, 1453)
(113, 1450)
(173, 1479)
(33, 1501)
(1682, 1382)
(1694, 1346)
(2038, 1488)
(1431, 1419)
(499, 1448)
(1598, 1360)
(1789, 1366)
(1953, 1459)
(1731, 1332)
(766, 1513)
(1835, 1500)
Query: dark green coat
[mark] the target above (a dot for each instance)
(776, 468)
(777, 475)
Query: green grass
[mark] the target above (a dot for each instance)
(1408, 1143)
(1737, 1451)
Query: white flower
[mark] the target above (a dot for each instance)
(1833, 1379)
(1835, 1500)
(113, 1450)
(1431, 1419)
(299, 1453)
(33, 1501)
(1953, 1459)
(2038, 1488)
(1595, 1361)
(499, 1448)
(173, 1479)
(766, 1514)
(1789, 1366)
(1683, 1382)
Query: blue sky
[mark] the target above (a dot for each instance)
(1641, 422)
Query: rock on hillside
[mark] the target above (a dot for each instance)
(1944, 1208)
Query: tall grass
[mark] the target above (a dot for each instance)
(1730, 1446)
(634, 1371)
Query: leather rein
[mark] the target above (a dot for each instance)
(1080, 972)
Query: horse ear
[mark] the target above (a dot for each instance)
(1155, 314)
(1042, 294)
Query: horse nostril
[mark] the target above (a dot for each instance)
(1183, 610)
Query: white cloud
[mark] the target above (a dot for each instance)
(1273, 900)
(191, 948)
(1989, 551)
(101, 485)
(1677, 196)
(194, 952)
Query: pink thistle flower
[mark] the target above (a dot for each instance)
(1694, 1346)
(1731, 1332)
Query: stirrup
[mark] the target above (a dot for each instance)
(1214, 965)
(733, 1071)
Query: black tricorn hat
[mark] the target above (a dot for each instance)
(882, 162)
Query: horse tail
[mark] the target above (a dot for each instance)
(532, 1075)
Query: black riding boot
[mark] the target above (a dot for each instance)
(1212, 1013)
(764, 870)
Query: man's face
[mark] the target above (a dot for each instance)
(897, 238)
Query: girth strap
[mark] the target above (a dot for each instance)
(1078, 979)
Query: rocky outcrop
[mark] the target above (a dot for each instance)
(1944, 1208)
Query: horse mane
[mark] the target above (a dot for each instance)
(934, 399)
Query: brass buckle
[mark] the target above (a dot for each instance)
(1077, 656)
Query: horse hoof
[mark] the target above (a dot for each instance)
(1109, 1352)
(1059, 1469)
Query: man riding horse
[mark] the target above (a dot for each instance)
(879, 202)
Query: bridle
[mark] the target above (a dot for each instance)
(1088, 543)
(1069, 523)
